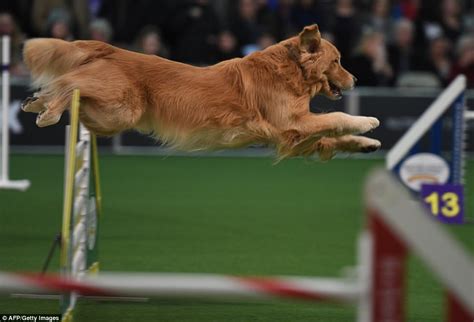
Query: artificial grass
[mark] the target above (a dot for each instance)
(216, 215)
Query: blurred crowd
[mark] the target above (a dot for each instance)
(382, 42)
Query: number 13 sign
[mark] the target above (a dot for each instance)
(445, 202)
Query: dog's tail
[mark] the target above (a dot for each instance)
(49, 58)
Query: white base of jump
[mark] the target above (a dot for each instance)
(21, 185)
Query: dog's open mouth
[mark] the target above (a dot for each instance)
(335, 90)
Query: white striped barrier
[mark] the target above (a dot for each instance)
(186, 285)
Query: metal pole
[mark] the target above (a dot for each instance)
(5, 182)
(5, 103)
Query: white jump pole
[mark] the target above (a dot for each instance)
(5, 182)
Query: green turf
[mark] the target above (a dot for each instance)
(216, 215)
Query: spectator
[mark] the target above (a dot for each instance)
(450, 20)
(410, 8)
(245, 25)
(94, 7)
(439, 62)
(149, 42)
(9, 27)
(41, 12)
(159, 14)
(370, 64)
(222, 10)
(263, 41)
(78, 16)
(81, 17)
(59, 24)
(226, 46)
(401, 54)
(378, 18)
(464, 63)
(195, 28)
(101, 30)
(21, 12)
(126, 17)
(425, 28)
(306, 12)
(284, 16)
(345, 27)
(268, 19)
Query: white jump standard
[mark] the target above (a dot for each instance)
(81, 207)
(5, 182)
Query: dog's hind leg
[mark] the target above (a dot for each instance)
(34, 104)
(55, 107)
(50, 102)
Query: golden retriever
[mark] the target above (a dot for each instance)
(261, 98)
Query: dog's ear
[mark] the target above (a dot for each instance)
(310, 38)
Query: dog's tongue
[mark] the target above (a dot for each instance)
(336, 91)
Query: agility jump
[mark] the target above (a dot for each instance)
(81, 206)
(396, 224)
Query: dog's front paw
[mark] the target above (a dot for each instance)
(370, 145)
(365, 124)
(373, 123)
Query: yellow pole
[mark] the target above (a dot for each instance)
(94, 267)
(70, 172)
(95, 160)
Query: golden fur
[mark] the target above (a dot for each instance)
(261, 98)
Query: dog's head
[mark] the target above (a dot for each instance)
(320, 62)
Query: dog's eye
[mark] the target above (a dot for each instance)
(336, 61)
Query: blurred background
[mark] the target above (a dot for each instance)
(402, 51)
(381, 41)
